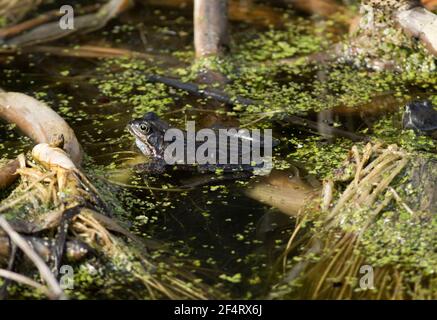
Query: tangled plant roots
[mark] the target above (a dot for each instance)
(368, 231)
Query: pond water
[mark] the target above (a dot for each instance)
(233, 239)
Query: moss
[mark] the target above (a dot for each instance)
(268, 66)
(220, 65)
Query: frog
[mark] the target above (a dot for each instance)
(149, 133)
(421, 116)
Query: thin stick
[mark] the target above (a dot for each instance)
(45, 17)
(200, 91)
(8, 173)
(210, 27)
(90, 51)
(46, 274)
(25, 194)
(25, 280)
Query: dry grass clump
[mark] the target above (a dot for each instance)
(368, 228)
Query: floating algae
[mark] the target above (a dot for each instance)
(383, 220)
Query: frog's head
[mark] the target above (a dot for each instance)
(149, 134)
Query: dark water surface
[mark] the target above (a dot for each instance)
(217, 227)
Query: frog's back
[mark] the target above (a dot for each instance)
(420, 116)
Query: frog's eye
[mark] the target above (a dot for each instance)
(145, 128)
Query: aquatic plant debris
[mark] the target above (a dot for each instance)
(173, 236)
(372, 222)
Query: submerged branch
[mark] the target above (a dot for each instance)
(91, 51)
(46, 274)
(223, 97)
(11, 31)
(265, 14)
(38, 121)
(7, 173)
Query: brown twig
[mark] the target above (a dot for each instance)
(53, 285)
(8, 173)
(11, 31)
(11, 264)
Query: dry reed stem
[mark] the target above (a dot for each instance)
(14, 10)
(341, 258)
